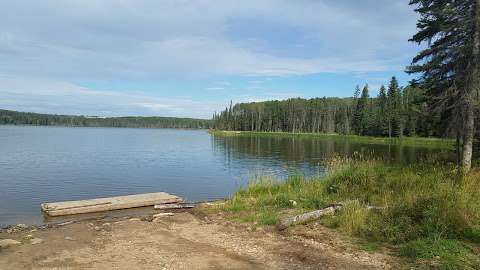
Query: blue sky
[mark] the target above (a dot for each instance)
(190, 58)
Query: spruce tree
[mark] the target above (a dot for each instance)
(382, 122)
(356, 94)
(450, 64)
(362, 112)
(393, 108)
(356, 112)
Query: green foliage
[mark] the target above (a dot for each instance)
(361, 117)
(394, 109)
(449, 64)
(22, 118)
(395, 114)
(449, 253)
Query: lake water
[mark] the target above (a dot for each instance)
(44, 164)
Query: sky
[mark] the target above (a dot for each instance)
(189, 58)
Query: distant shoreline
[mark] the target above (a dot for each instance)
(65, 126)
(8, 117)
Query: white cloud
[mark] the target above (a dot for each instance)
(45, 96)
(132, 39)
(46, 47)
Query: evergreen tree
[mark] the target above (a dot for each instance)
(393, 108)
(356, 94)
(362, 112)
(450, 63)
(382, 118)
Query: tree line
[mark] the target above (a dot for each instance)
(442, 101)
(395, 112)
(8, 117)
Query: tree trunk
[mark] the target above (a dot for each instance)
(389, 128)
(473, 85)
(468, 130)
(457, 145)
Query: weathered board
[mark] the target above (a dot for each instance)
(108, 204)
(173, 206)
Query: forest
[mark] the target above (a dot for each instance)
(396, 111)
(25, 118)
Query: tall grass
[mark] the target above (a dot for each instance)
(428, 211)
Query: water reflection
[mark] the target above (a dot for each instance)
(317, 151)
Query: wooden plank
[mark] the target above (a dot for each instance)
(173, 206)
(108, 204)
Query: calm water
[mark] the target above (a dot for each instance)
(42, 164)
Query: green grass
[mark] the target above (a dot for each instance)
(408, 141)
(431, 213)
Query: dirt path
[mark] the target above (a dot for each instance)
(187, 240)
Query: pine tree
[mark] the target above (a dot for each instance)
(357, 92)
(393, 108)
(382, 122)
(362, 112)
(356, 112)
(450, 64)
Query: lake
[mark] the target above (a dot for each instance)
(45, 164)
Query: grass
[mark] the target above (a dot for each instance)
(431, 213)
(407, 141)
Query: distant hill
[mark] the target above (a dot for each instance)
(8, 117)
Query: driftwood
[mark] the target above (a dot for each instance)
(306, 217)
(310, 216)
(107, 204)
(173, 206)
(162, 215)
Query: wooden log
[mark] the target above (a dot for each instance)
(162, 215)
(173, 206)
(306, 217)
(310, 216)
(108, 204)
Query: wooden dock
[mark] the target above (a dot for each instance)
(107, 204)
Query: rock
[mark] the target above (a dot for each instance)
(69, 238)
(162, 215)
(135, 219)
(17, 228)
(107, 227)
(6, 243)
(21, 226)
(43, 227)
(36, 241)
(294, 203)
(158, 220)
(28, 236)
(147, 218)
(97, 228)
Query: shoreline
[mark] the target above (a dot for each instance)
(404, 141)
(202, 238)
